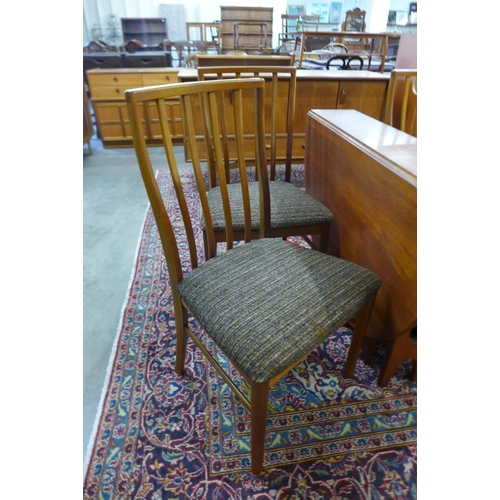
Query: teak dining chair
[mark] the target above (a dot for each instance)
(293, 212)
(267, 303)
(401, 101)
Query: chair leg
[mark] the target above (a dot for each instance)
(369, 349)
(260, 394)
(401, 349)
(358, 336)
(323, 242)
(180, 325)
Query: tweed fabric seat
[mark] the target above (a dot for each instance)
(295, 298)
(290, 207)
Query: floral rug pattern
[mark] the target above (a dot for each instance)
(166, 436)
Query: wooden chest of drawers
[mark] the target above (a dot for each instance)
(107, 87)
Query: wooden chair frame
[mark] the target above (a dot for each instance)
(207, 94)
(276, 75)
(400, 105)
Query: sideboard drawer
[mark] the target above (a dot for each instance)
(111, 93)
(129, 80)
(159, 78)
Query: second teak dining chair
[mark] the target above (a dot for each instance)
(293, 211)
(266, 303)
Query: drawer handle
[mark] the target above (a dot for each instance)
(117, 91)
(115, 79)
(342, 96)
(167, 77)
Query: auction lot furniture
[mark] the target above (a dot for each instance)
(365, 172)
(267, 303)
(107, 89)
(203, 60)
(316, 89)
(148, 30)
(372, 45)
(249, 36)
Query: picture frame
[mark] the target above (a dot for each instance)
(295, 10)
(319, 8)
(401, 18)
(336, 13)
(391, 19)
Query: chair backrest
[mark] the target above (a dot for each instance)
(98, 46)
(243, 60)
(310, 22)
(133, 46)
(281, 85)
(401, 101)
(354, 20)
(345, 62)
(288, 24)
(206, 97)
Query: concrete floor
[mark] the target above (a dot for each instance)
(114, 207)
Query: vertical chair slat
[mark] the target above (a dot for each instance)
(213, 105)
(238, 130)
(169, 151)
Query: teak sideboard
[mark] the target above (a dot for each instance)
(363, 91)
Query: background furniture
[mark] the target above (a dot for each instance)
(401, 102)
(316, 89)
(288, 25)
(209, 32)
(309, 22)
(107, 89)
(354, 21)
(101, 60)
(265, 304)
(345, 37)
(242, 60)
(88, 126)
(365, 172)
(148, 30)
(257, 31)
(252, 34)
(344, 62)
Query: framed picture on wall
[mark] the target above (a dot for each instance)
(318, 8)
(391, 20)
(336, 12)
(401, 18)
(294, 10)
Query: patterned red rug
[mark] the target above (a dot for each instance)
(164, 436)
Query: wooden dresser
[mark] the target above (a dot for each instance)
(107, 87)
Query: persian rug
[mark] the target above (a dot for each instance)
(160, 435)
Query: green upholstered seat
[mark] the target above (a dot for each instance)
(294, 298)
(290, 207)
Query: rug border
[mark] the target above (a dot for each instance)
(112, 357)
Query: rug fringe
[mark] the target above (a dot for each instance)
(90, 445)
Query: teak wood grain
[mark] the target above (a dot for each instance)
(365, 172)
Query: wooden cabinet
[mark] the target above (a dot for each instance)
(107, 89)
(363, 91)
(247, 24)
(148, 30)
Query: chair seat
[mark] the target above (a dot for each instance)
(290, 207)
(266, 333)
